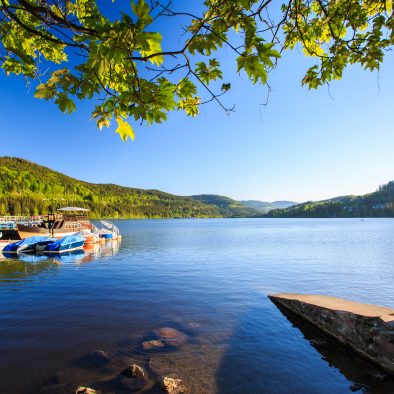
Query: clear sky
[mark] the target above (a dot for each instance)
(305, 145)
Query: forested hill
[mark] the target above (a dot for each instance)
(228, 206)
(28, 188)
(376, 204)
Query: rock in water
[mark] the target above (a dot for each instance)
(98, 357)
(130, 384)
(134, 371)
(171, 384)
(132, 378)
(367, 329)
(171, 336)
(85, 390)
(153, 344)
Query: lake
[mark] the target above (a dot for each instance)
(208, 279)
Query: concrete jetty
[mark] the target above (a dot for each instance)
(367, 329)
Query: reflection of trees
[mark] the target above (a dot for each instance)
(12, 270)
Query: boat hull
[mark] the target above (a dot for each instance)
(12, 248)
(67, 247)
(66, 244)
(25, 231)
(70, 228)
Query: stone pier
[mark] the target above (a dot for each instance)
(367, 329)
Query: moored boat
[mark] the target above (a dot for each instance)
(68, 221)
(12, 248)
(26, 245)
(40, 246)
(90, 237)
(108, 230)
(31, 244)
(65, 244)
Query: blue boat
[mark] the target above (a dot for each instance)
(65, 244)
(26, 245)
(12, 248)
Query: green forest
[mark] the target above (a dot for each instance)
(376, 204)
(27, 188)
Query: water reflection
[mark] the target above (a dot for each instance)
(18, 270)
(15, 268)
(209, 273)
(366, 377)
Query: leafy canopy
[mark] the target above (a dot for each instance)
(77, 51)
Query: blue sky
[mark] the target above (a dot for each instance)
(305, 145)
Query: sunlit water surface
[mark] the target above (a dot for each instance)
(208, 279)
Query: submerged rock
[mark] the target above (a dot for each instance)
(172, 337)
(132, 378)
(153, 344)
(85, 390)
(99, 357)
(134, 371)
(171, 384)
(129, 383)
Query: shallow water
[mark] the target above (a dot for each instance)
(209, 279)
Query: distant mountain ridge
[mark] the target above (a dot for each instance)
(226, 205)
(377, 204)
(264, 207)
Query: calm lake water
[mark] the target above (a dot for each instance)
(208, 279)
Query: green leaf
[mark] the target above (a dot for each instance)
(254, 68)
(44, 91)
(65, 103)
(141, 10)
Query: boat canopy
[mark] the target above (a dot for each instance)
(68, 239)
(73, 209)
(108, 228)
(35, 239)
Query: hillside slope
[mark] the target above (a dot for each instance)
(28, 188)
(227, 205)
(376, 204)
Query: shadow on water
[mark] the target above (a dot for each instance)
(366, 376)
(266, 354)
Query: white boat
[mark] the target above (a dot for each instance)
(108, 230)
(90, 237)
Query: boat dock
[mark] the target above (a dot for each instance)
(8, 225)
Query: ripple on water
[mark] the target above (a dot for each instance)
(208, 279)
